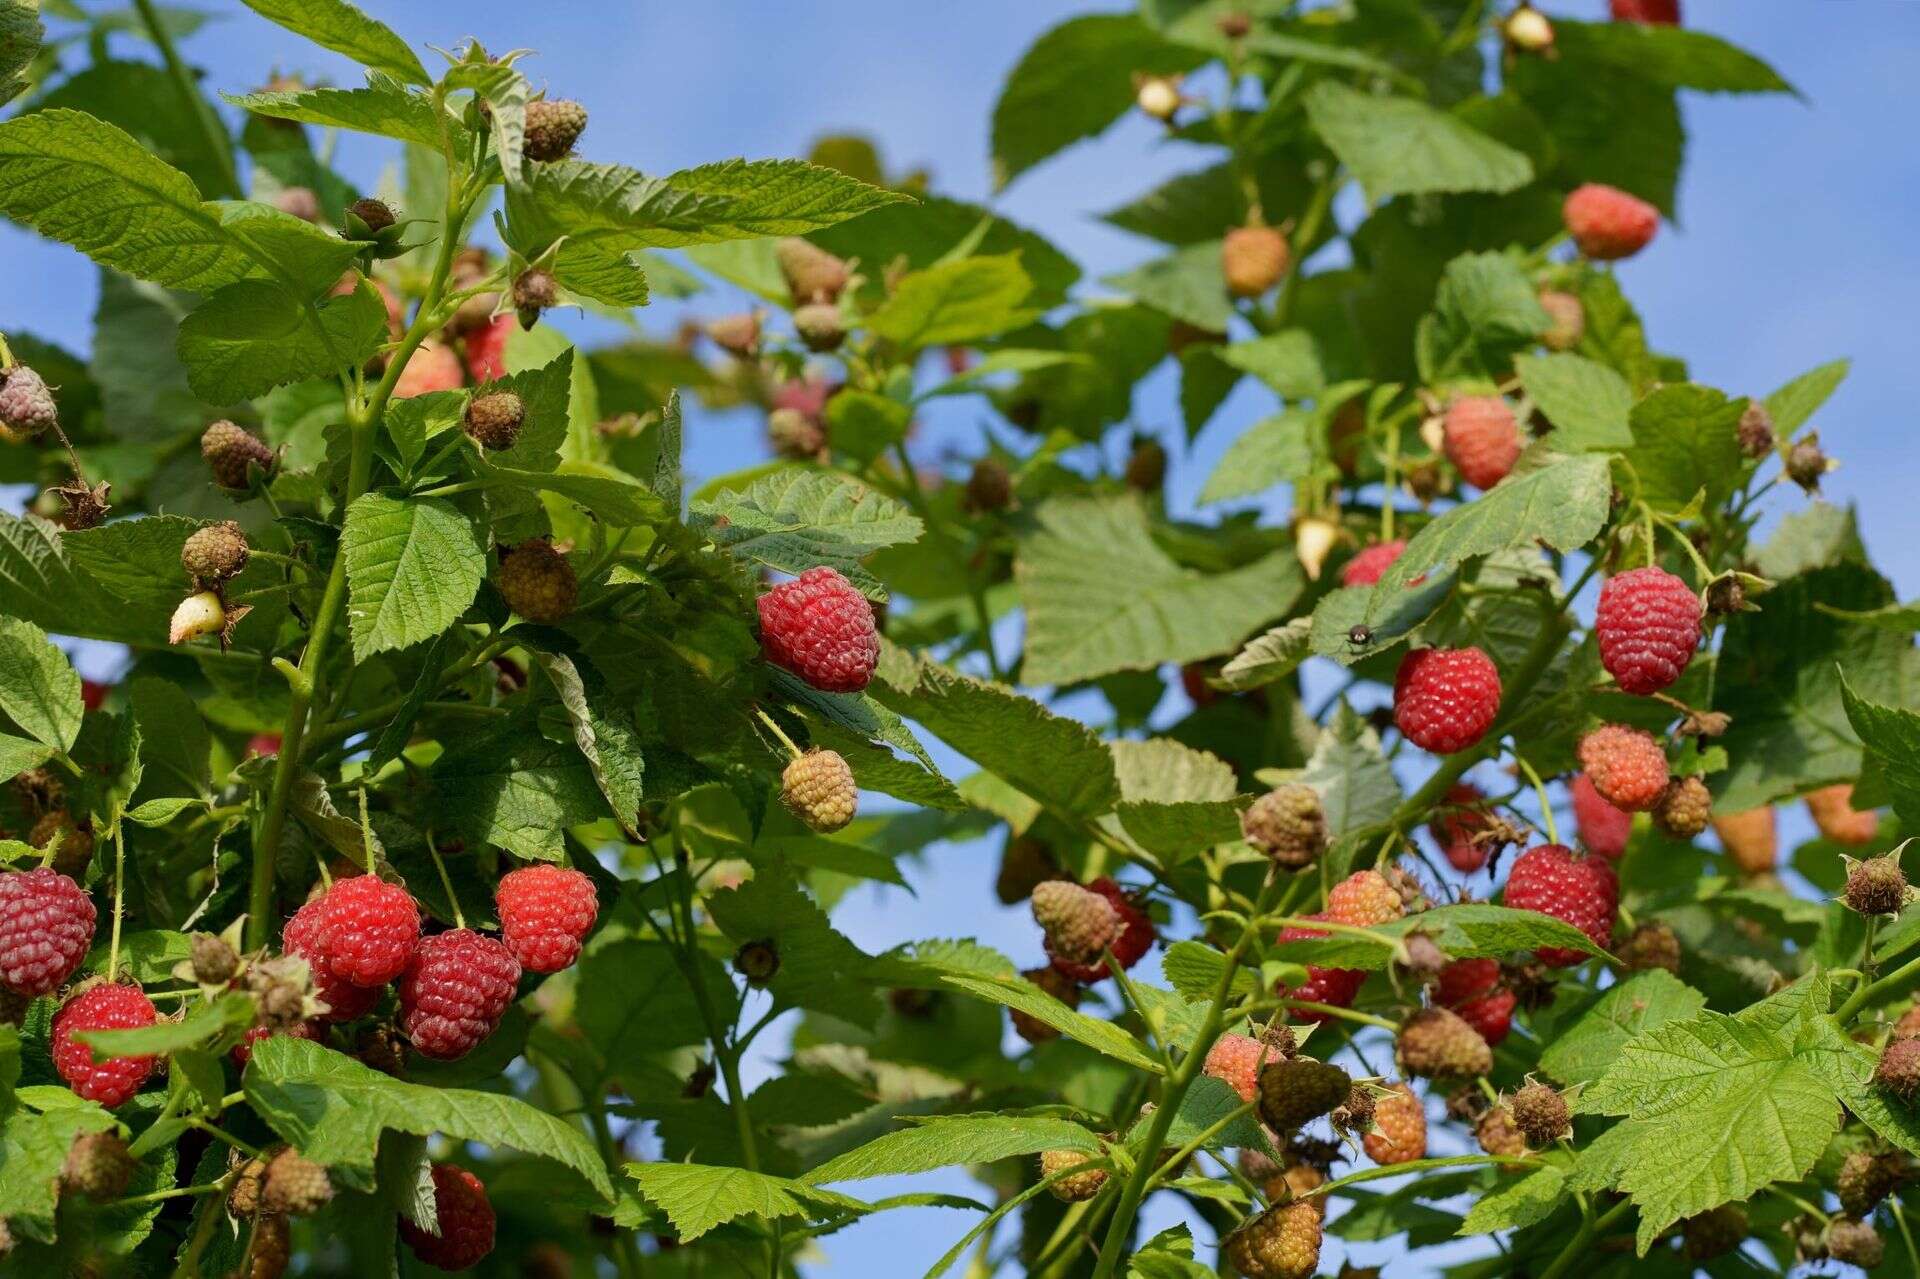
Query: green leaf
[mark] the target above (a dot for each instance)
(1471, 930)
(928, 232)
(1485, 309)
(1287, 361)
(1356, 784)
(1273, 450)
(140, 97)
(334, 1109)
(413, 567)
(337, 25)
(1800, 399)
(959, 301)
(516, 788)
(1400, 146)
(174, 742)
(253, 336)
(1270, 657)
(385, 107)
(795, 519)
(864, 425)
(819, 967)
(1175, 800)
(1686, 444)
(1079, 627)
(666, 467)
(203, 1024)
(1518, 1204)
(1188, 284)
(698, 1197)
(617, 500)
(1671, 56)
(605, 734)
(944, 1141)
(1101, 1036)
(1072, 83)
(20, 35)
(1194, 969)
(1591, 1041)
(39, 689)
(1587, 403)
(1892, 735)
(33, 1148)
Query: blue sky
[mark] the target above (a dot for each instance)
(1792, 247)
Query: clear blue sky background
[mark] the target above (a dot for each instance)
(1793, 247)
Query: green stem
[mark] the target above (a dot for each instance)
(198, 107)
(1186, 1152)
(1865, 991)
(1540, 792)
(119, 893)
(1576, 1248)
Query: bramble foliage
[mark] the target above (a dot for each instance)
(476, 796)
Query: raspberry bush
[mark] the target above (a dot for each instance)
(447, 878)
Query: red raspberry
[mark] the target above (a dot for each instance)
(1648, 624)
(1363, 899)
(1472, 988)
(1663, 12)
(487, 350)
(46, 925)
(243, 1051)
(1336, 987)
(1445, 699)
(820, 628)
(1607, 223)
(1581, 891)
(1236, 1061)
(1481, 439)
(1626, 765)
(368, 928)
(1135, 940)
(1603, 828)
(432, 367)
(1456, 824)
(93, 694)
(1365, 568)
(465, 1216)
(456, 988)
(345, 1001)
(546, 911)
(104, 1007)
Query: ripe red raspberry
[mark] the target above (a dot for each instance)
(465, 1217)
(1456, 824)
(1445, 699)
(456, 988)
(1365, 568)
(1663, 12)
(432, 367)
(1335, 987)
(1603, 828)
(1283, 1242)
(46, 925)
(243, 1051)
(487, 350)
(1399, 1128)
(111, 1082)
(1236, 1061)
(1648, 624)
(1472, 988)
(820, 628)
(1607, 223)
(1481, 439)
(302, 936)
(1626, 765)
(1581, 891)
(1363, 899)
(1135, 939)
(546, 911)
(368, 929)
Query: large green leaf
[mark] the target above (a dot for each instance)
(944, 1141)
(819, 968)
(925, 233)
(333, 1109)
(1484, 311)
(39, 689)
(1022, 995)
(1800, 399)
(1685, 444)
(1273, 450)
(1589, 1043)
(1891, 735)
(517, 788)
(698, 1197)
(1587, 402)
(796, 519)
(413, 567)
(385, 107)
(959, 301)
(1401, 146)
(20, 33)
(1672, 56)
(140, 97)
(1082, 624)
(253, 336)
(337, 25)
(604, 732)
(1188, 284)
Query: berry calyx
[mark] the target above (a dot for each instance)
(231, 453)
(46, 926)
(110, 1081)
(1445, 699)
(1647, 625)
(1399, 1128)
(455, 990)
(368, 929)
(819, 789)
(1607, 224)
(1437, 1043)
(373, 217)
(546, 912)
(1288, 824)
(553, 126)
(1603, 828)
(1581, 891)
(465, 1219)
(821, 628)
(1253, 258)
(494, 419)
(1481, 438)
(215, 553)
(1626, 765)
(537, 582)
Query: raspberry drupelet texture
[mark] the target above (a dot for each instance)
(368, 929)
(465, 1218)
(1685, 808)
(1603, 828)
(1445, 699)
(821, 629)
(1283, 1242)
(1661, 12)
(1334, 987)
(553, 126)
(1253, 258)
(1581, 891)
(819, 789)
(546, 912)
(1363, 899)
(1437, 1043)
(303, 936)
(1473, 989)
(1236, 1060)
(1648, 625)
(1481, 438)
(1298, 1090)
(26, 404)
(1365, 568)
(1455, 826)
(113, 1081)
(454, 992)
(1288, 824)
(1626, 765)
(1399, 1128)
(46, 926)
(1079, 923)
(1608, 224)
(229, 450)
(537, 582)
(1075, 1187)
(1135, 939)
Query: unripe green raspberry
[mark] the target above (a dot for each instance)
(494, 419)
(1541, 1113)
(1078, 1186)
(819, 789)
(295, 1185)
(537, 582)
(1437, 1043)
(819, 326)
(812, 273)
(1281, 1243)
(553, 127)
(1080, 924)
(1288, 824)
(1298, 1090)
(215, 553)
(97, 1166)
(26, 404)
